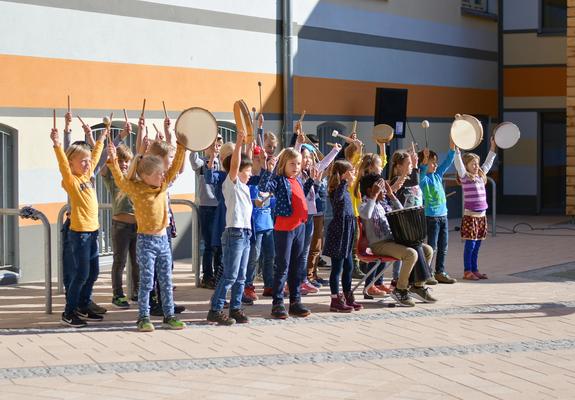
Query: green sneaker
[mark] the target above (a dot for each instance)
(144, 325)
(422, 294)
(120, 301)
(443, 277)
(402, 297)
(173, 323)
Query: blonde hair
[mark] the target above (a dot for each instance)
(366, 167)
(337, 170)
(286, 155)
(350, 151)
(467, 158)
(269, 135)
(144, 165)
(397, 159)
(76, 149)
(124, 153)
(161, 149)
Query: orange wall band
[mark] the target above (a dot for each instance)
(534, 81)
(345, 97)
(44, 83)
(51, 210)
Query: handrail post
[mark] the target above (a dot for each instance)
(195, 236)
(60, 247)
(493, 206)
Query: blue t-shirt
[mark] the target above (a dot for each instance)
(261, 216)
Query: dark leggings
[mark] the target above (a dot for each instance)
(341, 267)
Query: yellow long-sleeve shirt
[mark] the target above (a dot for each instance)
(150, 203)
(81, 190)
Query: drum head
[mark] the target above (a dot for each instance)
(465, 135)
(196, 128)
(243, 120)
(507, 135)
(382, 133)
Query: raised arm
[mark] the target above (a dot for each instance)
(117, 140)
(176, 164)
(140, 135)
(67, 130)
(196, 161)
(488, 163)
(236, 157)
(382, 154)
(442, 169)
(97, 151)
(63, 163)
(122, 182)
(459, 165)
(327, 160)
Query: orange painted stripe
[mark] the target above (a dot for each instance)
(51, 210)
(535, 81)
(44, 83)
(345, 97)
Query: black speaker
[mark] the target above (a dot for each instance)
(391, 109)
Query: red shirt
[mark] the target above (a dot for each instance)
(299, 209)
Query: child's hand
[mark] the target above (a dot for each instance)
(105, 133)
(145, 143)
(141, 123)
(261, 121)
(358, 143)
(388, 191)
(451, 143)
(68, 121)
(349, 176)
(493, 147)
(413, 155)
(377, 188)
(271, 163)
(111, 151)
(240, 137)
(167, 132)
(315, 174)
(398, 183)
(298, 127)
(425, 156)
(337, 146)
(55, 136)
(300, 138)
(353, 136)
(126, 131)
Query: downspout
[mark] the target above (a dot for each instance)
(287, 64)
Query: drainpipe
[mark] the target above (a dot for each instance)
(287, 64)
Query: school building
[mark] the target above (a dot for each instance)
(497, 60)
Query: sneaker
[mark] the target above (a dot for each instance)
(73, 320)
(240, 316)
(178, 309)
(268, 292)
(402, 297)
(250, 292)
(220, 318)
(279, 311)
(297, 309)
(208, 283)
(120, 301)
(321, 281)
(157, 311)
(357, 274)
(315, 283)
(247, 301)
(443, 277)
(422, 294)
(431, 281)
(383, 288)
(145, 325)
(134, 298)
(87, 314)
(479, 275)
(307, 288)
(173, 323)
(96, 309)
(393, 284)
(374, 291)
(350, 301)
(338, 305)
(470, 276)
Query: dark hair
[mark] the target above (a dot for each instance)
(367, 182)
(245, 161)
(432, 154)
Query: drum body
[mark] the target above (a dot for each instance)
(408, 225)
(196, 128)
(466, 132)
(382, 133)
(244, 120)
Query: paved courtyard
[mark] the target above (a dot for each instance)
(510, 337)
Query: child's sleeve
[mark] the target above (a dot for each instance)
(267, 183)
(383, 158)
(423, 179)
(123, 184)
(176, 164)
(339, 192)
(196, 161)
(104, 156)
(96, 154)
(64, 166)
(442, 169)
(327, 160)
(459, 166)
(488, 163)
(366, 209)
(307, 186)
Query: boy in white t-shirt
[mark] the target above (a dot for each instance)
(235, 239)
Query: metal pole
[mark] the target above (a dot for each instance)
(287, 58)
(195, 236)
(493, 206)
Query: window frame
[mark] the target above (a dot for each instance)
(542, 31)
(13, 200)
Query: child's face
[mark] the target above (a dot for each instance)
(80, 163)
(169, 159)
(270, 147)
(245, 174)
(472, 166)
(432, 165)
(155, 179)
(293, 167)
(307, 160)
(372, 190)
(405, 167)
(124, 165)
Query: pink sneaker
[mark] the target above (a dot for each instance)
(308, 288)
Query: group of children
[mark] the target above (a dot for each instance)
(259, 210)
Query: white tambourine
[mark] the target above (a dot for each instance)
(466, 132)
(196, 128)
(507, 135)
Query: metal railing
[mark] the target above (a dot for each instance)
(103, 207)
(33, 214)
(493, 201)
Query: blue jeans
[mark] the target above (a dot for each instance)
(84, 271)
(372, 276)
(290, 262)
(153, 252)
(470, 255)
(396, 268)
(437, 238)
(307, 243)
(67, 254)
(263, 244)
(236, 252)
(341, 267)
(207, 218)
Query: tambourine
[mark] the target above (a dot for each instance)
(507, 135)
(382, 133)
(466, 132)
(243, 120)
(196, 128)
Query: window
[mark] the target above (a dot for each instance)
(553, 18)
(227, 130)
(8, 199)
(324, 134)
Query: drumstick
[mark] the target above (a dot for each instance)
(157, 130)
(143, 108)
(165, 112)
(302, 117)
(68, 103)
(410, 132)
(354, 128)
(260, 88)
(54, 118)
(425, 125)
(331, 144)
(125, 115)
(81, 121)
(337, 134)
